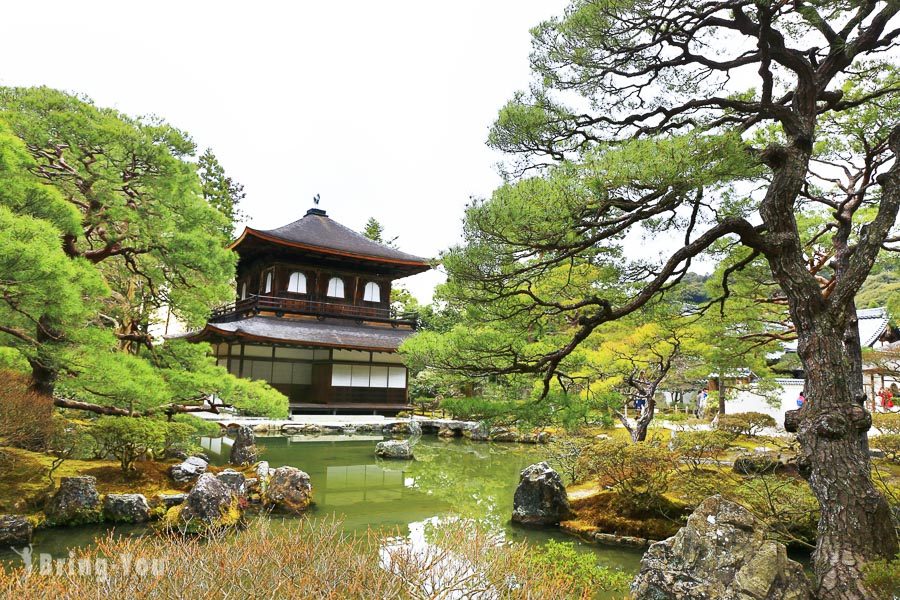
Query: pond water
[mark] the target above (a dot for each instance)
(449, 478)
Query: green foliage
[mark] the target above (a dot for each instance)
(699, 448)
(103, 220)
(374, 230)
(786, 504)
(220, 191)
(128, 438)
(889, 443)
(639, 472)
(883, 578)
(556, 409)
(887, 422)
(565, 455)
(747, 423)
(562, 561)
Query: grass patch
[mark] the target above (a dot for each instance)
(608, 512)
(24, 486)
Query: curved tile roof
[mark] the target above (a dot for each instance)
(307, 332)
(317, 231)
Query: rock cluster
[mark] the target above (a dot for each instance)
(15, 530)
(287, 489)
(75, 502)
(126, 508)
(234, 480)
(243, 451)
(394, 449)
(721, 553)
(541, 497)
(210, 504)
(403, 428)
(189, 470)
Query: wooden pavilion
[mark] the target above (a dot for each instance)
(312, 316)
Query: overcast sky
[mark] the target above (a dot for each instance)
(382, 108)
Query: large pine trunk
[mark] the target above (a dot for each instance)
(856, 525)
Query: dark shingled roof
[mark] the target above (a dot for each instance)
(317, 230)
(311, 333)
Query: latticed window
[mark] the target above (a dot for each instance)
(372, 292)
(297, 283)
(335, 288)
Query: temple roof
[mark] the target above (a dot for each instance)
(327, 333)
(872, 323)
(316, 231)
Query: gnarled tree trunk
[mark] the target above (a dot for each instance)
(856, 525)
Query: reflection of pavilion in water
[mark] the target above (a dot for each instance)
(353, 484)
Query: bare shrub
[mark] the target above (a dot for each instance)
(304, 559)
(26, 417)
(639, 472)
(699, 448)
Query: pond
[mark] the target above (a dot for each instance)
(449, 478)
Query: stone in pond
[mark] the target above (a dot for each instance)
(288, 489)
(243, 451)
(403, 428)
(478, 432)
(76, 502)
(722, 552)
(209, 505)
(15, 530)
(541, 497)
(189, 470)
(126, 508)
(395, 449)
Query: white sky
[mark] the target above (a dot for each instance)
(383, 108)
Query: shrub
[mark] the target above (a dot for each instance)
(887, 422)
(638, 472)
(889, 443)
(26, 417)
(746, 423)
(883, 578)
(700, 447)
(561, 561)
(479, 409)
(565, 454)
(785, 504)
(129, 438)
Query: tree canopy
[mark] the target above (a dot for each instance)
(103, 221)
(762, 135)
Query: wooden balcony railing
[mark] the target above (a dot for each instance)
(306, 306)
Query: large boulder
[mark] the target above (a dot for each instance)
(234, 480)
(75, 502)
(209, 505)
(394, 449)
(126, 508)
(722, 553)
(288, 489)
(15, 530)
(243, 451)
(189, 470)
(478, 432)
(503, 434)
(541, 497)
(403, 428)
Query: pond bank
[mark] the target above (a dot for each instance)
(451, 478)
